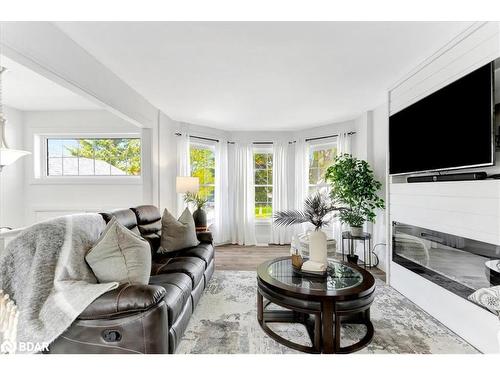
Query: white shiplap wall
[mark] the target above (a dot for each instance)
(469, 209)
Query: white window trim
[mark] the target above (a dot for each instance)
(315, 146)
(40, 176)
(262, 149)
(207, 145)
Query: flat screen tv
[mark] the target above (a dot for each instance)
(450, 129)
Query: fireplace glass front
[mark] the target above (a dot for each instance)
(458, 264)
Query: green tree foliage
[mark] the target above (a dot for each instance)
(263, 169)
(202, 161)
(122, 153)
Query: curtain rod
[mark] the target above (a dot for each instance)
(327, 136)
(197, 137)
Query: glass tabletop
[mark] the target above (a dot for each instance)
(340, 276)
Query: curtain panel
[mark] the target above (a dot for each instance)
(183, 167)
(241, 194)
(223, 217)
(281, 199)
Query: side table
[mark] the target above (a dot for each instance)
(367, 252)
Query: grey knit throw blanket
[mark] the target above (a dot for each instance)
(44, 272)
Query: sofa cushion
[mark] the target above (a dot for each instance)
(126, 299)
(178, 291)
(148, 219)
(191, 266)
(203, 251)
(177, 234)
(125, 217)
(120, 255)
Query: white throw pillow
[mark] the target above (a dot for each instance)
(177, 234)
(120, 255)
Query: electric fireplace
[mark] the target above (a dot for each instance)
(458, 264)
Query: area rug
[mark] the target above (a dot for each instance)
(225, 322)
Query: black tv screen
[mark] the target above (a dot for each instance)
(449, 129)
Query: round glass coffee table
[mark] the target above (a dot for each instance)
(322, 305)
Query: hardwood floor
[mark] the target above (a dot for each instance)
(247, 258)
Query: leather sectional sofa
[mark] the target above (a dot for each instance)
(144, 318)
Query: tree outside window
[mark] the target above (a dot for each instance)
(263, 181)
(321, 157)
(93, 157)
(202, 160)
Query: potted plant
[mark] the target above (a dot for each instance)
(354, 187)
(317, 211)
(199, 202)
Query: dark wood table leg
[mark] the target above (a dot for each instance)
(317, 332)
(336, 335)
(327, 332)
(260, 307)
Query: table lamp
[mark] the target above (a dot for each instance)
(185, 184)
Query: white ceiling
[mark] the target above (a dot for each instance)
(26, 90)
(262, 76)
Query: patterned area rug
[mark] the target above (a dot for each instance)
(225, 322)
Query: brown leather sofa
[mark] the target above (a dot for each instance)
(144, 318)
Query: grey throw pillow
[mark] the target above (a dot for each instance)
(488, 297)
(177, 234)
(120, 255)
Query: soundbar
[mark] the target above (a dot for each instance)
(470, 176)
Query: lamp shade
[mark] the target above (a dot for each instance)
(9, 156)
(187, 184)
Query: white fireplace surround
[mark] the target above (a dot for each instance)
(469, 209)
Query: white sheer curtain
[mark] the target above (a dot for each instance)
(343, 147)
(223, 219)
(281, 235)
(301, 180)
(183, 166)
(241, 194)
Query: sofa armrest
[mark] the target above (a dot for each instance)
(127, 299)
(205, 237)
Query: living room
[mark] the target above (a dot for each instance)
(251, 188)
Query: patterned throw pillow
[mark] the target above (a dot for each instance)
(177, 234)
(488, 297)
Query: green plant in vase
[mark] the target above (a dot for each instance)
(318, 210)
(199, 201)
(354, 187)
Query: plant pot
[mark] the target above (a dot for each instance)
(200, 218)
(353, 259)
(356, 231)
(317, 247)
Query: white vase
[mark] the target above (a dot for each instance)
(356, 231)
(317, 247)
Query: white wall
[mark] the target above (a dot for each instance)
(469, 208)
(48, 198)
(378, 161)
(12, 177)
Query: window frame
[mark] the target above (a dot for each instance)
(211, 145)
(40, 159)
(263, 149)
(316, 146)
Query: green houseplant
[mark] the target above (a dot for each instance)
(354, 187)
(199, 202)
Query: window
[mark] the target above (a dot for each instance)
(263, 181)
(93, 157)
(202, 161)
(321, 156)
